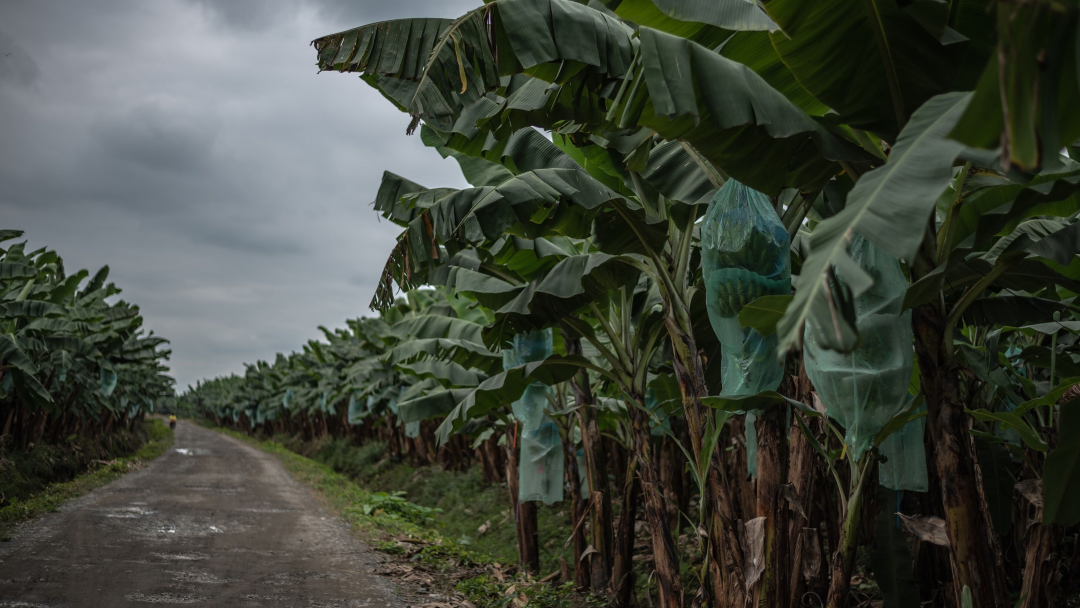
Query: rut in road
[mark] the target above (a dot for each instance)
(214, 522)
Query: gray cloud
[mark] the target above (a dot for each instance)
(192, 146)
(16, 65)
(159, 135)
(255, 15)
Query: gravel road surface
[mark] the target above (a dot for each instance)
(214, 522)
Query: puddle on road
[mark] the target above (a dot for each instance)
(166, 598)
(128, 512)
(181, 557)
(191, 451)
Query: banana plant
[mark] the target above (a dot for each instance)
(69, 359)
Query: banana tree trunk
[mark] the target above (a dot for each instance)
(622, 579)
(1042, 541)
(802, 475)
(843, 560)
(728, 584)
(803, 468)
(772, 589)
(577, 514)
(974, 558)
(600, 529)
(524, 518)
(665, 557)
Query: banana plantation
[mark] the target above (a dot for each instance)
(72, 363)
(771, 297)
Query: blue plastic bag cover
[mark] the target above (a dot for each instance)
(905, 458)
(864, 389)
(583, 473)
(412, 429)
(527, 348)
(356, 411)
(540, 468)
(529, 410)
(745, 254)
(659, 419)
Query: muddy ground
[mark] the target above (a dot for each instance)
(214, 522)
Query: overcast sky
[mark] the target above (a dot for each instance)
(192, 146)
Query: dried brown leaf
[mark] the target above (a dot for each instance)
(754, 543)
(927, 529)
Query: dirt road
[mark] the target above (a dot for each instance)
(214, 522)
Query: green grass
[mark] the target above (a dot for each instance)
(388, 502)
(48, 497)
(464, 500)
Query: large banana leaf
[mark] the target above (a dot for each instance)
(888, 206)
(507, 387)
(730, 115)
(465, 353)
(1061, 471)
(544, 201)
(868, 60)
(692, 18)
(1027, 97)
(572, 283)
(453, 64)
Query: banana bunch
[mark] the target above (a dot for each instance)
(735, 288)
(759, 253)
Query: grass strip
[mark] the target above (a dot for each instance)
(409, 533)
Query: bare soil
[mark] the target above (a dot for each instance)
(213, 522)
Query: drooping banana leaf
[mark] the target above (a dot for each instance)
(889, 206)
(730, 115)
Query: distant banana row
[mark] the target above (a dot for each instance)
(70, 361)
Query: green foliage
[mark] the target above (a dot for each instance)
(1061, 473)
(855, 118)
(70, 349)
(395, 505)
(41, 480)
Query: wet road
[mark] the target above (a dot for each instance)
(214, 522)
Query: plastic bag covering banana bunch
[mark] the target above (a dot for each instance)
(659, 419)
(528, 348)
(904, 466)
(583, 473)
(745, 254)
(356, 410)
(864, 389)
(541, 464)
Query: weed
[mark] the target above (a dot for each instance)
(486, 592)
(394, 504)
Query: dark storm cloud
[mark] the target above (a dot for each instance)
(16, 65)
(253, 15)
(160, 136)
(192, 146)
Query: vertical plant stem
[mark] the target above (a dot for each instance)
(974, 559)
(622, 579)
(772, 589)
(844, 558)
